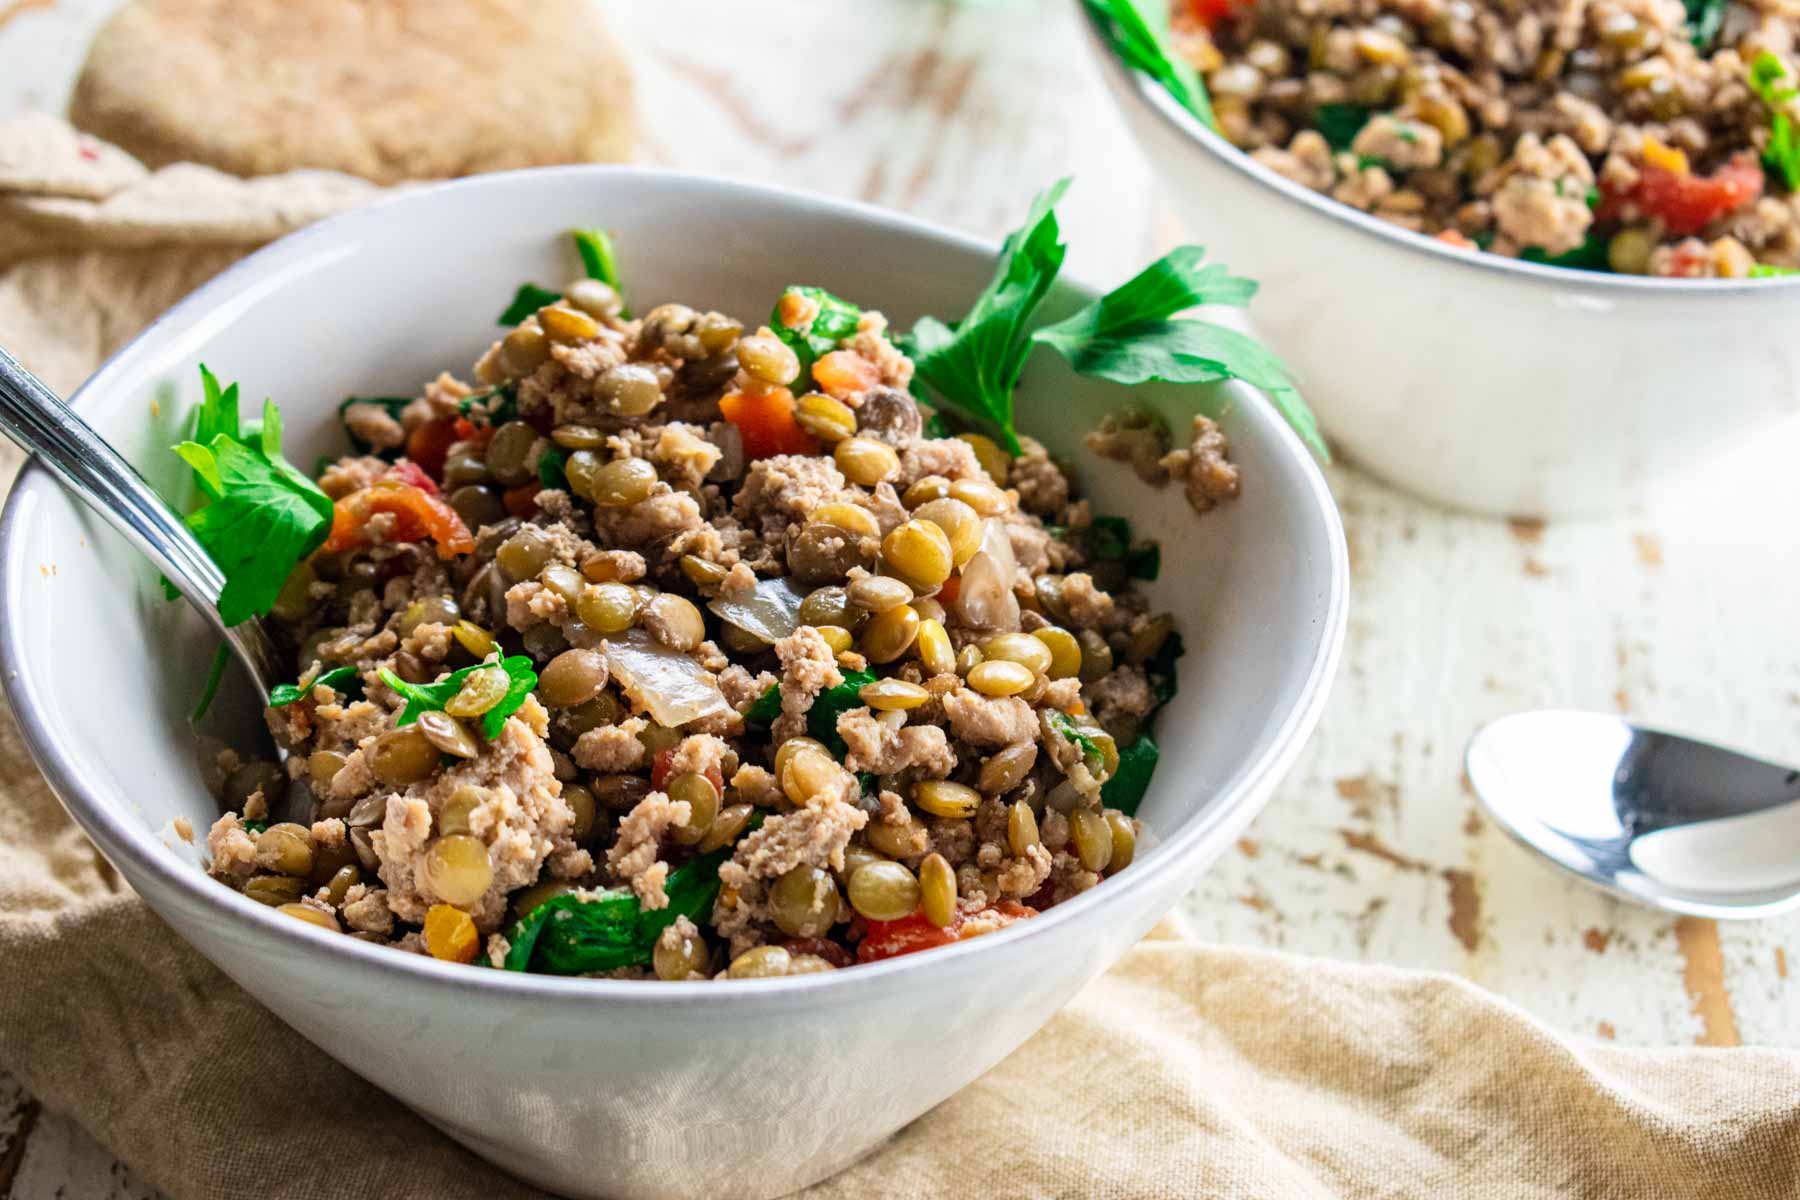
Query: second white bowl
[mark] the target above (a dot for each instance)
(1481, 382)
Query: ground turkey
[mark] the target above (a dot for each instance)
(520, 819)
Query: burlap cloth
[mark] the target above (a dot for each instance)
(1186, 1071)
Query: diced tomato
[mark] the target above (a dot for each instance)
(824, 948)
(844, 373)
(411, 475)
(1687, 203)
(1210, 12)
(946, 595)
(908, 935)
(521, 501)
(418, 515)
(1458, 239)
(469, 431)
(659, 771)
(429, 443)
(766, 424)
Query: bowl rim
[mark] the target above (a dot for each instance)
(120, 838)
(1184, 123)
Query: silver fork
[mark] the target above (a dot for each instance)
(43, 425)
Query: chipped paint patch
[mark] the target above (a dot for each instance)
(1703, 975)
(1365, 792)
(1596, 938)
(1368, 843)
(1781, 962)
(1535, 568)
(1527, 531)
(1465, 908)
(1248, 847)
(1606, 1030)
(1649, 549)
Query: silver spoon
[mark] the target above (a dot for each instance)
(42, 424)
(1661, 820)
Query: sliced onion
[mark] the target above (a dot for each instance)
(771, 612)
(984, 599)
(673, 687)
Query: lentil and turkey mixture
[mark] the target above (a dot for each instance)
(1634, 136)
(663, 647)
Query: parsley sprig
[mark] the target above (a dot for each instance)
(837, 320)
(1131, 335)
(598, 259)
(1768, 78)
(284, 694)
(1139, 33)
(259, 515)
(429, 697)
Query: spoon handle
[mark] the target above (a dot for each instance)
(41, 423)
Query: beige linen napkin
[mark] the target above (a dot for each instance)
(1187, 1071)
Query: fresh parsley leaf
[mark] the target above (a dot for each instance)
(1130, 337)
(254, 826)
(1125, 789)
(1704, 19)
(597, 257)
(496, 406)
(973, 368)
(527, 300)
(1766, 271)
(284, 694)
(214, 676)
(1339, 124)
(837, 320)
(550, 468)
(1161, 671)
(822, 717)
(1766, 76)
(1138, 31)
(259, 515)
(765, 708)
(572, 935)
(1109, 539)
(1589, 256)
(1365, 161)
(427, 697)
(936, 427)
(392, 405)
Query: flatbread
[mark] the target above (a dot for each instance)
(389, 90)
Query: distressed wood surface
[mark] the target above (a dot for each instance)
(1374, 849)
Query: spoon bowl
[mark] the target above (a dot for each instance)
(1658, 819)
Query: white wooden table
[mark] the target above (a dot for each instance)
(1374, 850)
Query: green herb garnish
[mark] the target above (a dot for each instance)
(822, 717)
(550, 468)
(837, 320)
(1130, 335)
(1138, 31)
(284, 694)
(1767, 77)
(569, 935)
(527, 300)
(1589, 256)
(259, 515)
(254, 826)
(1766, 271)
(422, 698)
(1339, 124)
(1108, 539)
(597, 258)
(1704, 19)
(973, 368)
(1125, 789)
(215, 675)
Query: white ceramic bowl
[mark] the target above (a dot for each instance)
(611, 1088)
(1481, 382)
